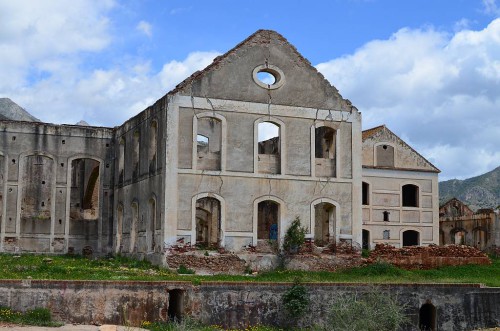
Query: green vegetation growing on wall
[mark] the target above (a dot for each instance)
(37, 316)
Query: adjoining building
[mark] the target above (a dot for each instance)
(400, 192)
(460, 225)
(228, 158)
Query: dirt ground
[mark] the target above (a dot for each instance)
(69, 327)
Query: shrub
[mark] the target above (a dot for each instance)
(295, 236)
(295, 300)
(184, 270)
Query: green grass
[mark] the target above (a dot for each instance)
(37, 316)
(120, 268)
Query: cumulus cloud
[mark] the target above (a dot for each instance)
(43, 49)
(33, 33)
(439, 90)
(145, 28)
(106, 97)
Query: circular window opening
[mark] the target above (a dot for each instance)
(268, 76)
(384, 147)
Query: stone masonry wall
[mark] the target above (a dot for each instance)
(458, 307)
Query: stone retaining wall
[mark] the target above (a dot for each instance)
(458, 307)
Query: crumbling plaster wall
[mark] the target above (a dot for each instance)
(241, 188)
(485, 221)
(29, 147)
(404, 156)
(143, 191)
(385, 195)
(304, 85)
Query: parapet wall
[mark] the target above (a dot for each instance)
(457, 307)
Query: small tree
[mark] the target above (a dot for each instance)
(296, 301)
(295, 236)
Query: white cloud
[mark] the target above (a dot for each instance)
(106, 97)
(491, 7)
(34, 33)
(440, 90)
(43, 51)
(145, 28)
(174, 72)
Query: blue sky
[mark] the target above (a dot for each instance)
(429, 69)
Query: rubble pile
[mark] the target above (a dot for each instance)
(323, 262)
(211, 264)
(420, 257)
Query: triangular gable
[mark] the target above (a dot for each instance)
(454, 208)
(230, 76)
(405, 157)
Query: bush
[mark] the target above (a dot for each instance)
(184, 270)
(295, 236)
(296, 300)
(371, 311)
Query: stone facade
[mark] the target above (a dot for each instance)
(459, 225)
(225, 159)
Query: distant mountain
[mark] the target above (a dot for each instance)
(477, 192)
(9, 110)
(82, 123)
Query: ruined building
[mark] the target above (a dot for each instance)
(459, 225)
(228, 158)
(399, 192)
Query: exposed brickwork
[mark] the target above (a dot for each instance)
(416, 257)
(213, 264)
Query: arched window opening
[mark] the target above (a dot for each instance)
(458, 237)
(36, 194)
(84, 201)
(134, 227)
(385, 155)
(324, 222)
(366, 196)
(150, 230)
(208, 222)
(325, 151)
(268, 220)
(119, 228)
(410, 195)
(411, 238)
(366, 239)
(427, 317)
(209, 143)
(135, 155)
(121, 162)
(269, 152)
(480, 238)
(153, 138)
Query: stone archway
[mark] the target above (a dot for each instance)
(427, 317)
(324, 221)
